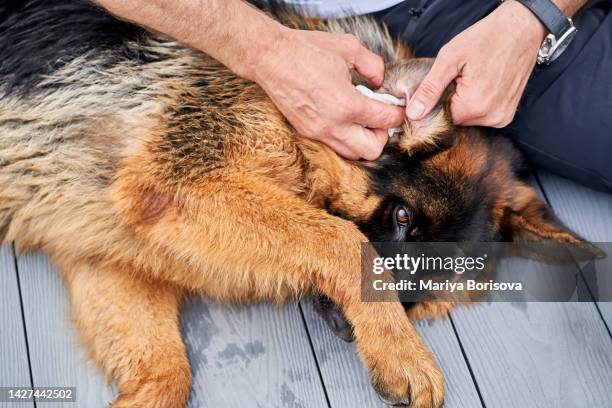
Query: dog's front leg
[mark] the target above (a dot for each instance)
(246, 239)
(131, 329)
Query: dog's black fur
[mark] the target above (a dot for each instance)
(34, 42)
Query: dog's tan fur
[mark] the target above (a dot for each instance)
(145, 182)
(135, 221)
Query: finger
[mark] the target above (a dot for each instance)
(376, 114)
(497, 120)
(379, 138)
(364, 61)
(443, 71)
(466, 112)
(366, 143)
(370, 66)
(473, 112)
(342, 149)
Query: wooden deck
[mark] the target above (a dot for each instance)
(493, 355)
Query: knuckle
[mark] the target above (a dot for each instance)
(374, 153)
(492, 123)
(479, 110)
(347, 110)
(393, 118)
(506, 121)
(326, 130)
(500, 123)
(336, 133)
(458, 117)
(370, 156)
(498, 119)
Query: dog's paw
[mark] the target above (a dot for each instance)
(403, 373)
(334, 317)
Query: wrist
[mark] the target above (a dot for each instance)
(524, 23)
(260, 56)
(242, 39)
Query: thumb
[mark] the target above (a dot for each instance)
(443, 71)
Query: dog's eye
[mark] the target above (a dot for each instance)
(401, 216)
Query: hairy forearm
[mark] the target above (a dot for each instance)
(231, 31)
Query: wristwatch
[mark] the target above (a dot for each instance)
(561, 29)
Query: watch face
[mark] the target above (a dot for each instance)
(563, 43)
(552, 47)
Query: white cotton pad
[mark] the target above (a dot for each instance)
(381, 97)
(385, 98)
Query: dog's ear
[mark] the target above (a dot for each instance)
(525, 217)
(433, 133)
(436, 130)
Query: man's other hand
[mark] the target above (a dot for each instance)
(491, 62)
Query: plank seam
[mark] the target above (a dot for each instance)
(594, 303)
(23, 320)
(586, 283)
(314, 354)
(467, 361)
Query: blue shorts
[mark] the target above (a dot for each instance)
(564, 120)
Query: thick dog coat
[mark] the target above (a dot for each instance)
(148, 170)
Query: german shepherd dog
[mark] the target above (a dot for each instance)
(147, 170)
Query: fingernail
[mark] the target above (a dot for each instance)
(415, 110)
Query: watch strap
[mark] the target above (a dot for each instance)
(549, 14)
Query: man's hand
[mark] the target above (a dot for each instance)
(491, 62)
(306, 73)
(307, 76)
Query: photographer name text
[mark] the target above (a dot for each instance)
(447, 286)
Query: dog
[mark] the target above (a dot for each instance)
(147, 170)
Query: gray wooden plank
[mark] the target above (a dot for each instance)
(14, 369)
(586, 211)
(346, 379)
(255, 356)
(538, 354)
(56, 358)
(442, 341)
